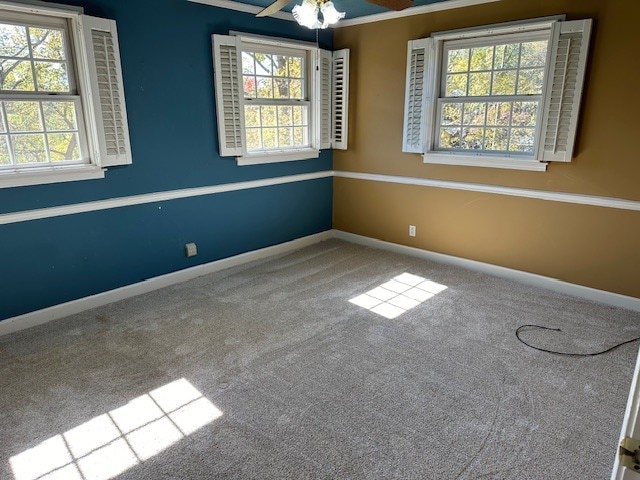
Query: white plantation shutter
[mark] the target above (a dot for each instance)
(225, 67)
(418, 93)
(565, 79)
(340, 99)
(108, 109)
(324, 98)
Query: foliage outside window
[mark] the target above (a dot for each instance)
(39, 103)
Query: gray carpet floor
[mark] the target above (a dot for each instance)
(268, 371)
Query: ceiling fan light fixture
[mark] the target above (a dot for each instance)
(307, 14)
(330, 15)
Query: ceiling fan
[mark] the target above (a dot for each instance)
(307, 13)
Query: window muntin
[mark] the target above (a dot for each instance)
(40, 109)
(491, 94)
(276, 102)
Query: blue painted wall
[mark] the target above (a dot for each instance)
(168, 75)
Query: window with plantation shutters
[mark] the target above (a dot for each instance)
(278, 100)
(62, 105)
(501, 96)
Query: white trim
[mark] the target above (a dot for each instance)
(577, 198)
(540, 281)
(49, 212)
(408, 12)
(278, 156)
(243, 7)
(38, 176)
(45, 315)
(484, 161)
(42, 8)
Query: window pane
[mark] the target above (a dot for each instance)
(530, 81)
(29, 148)
(63, 146)
(280, 65)
(52, 77)
(295, 87)
(504, 83)
(474, 113)
(268, 116)
(249, 86)
(456, 85)
(297, 116)
(263, 64)
(472, 138)
(481, 58)
(479, 84)
(13, 41)
(450, 137)
(525, 114)
(23, 116)
(458, 60)
(254, 141)
(295, 67)
(299, 135)
(59, 115)
(265, 87)
(285, 137)
(3, 128)
(521, 140)
(499, 113)
(248, 65)
(269, 139)
(534, 54)
(451, 114)
(285, 116)
(281, 89)
(47, 43)
(17, 75)
(251, 116)
(506, 56)
(496, 139)
(5, 159)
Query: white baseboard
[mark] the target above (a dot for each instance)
(55, 312)
(62, 310)
(601, 296)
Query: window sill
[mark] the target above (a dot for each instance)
(44, 175)
(485, 161)
(276, 157)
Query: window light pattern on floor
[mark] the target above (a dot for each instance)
(398, 295)
(110, 444)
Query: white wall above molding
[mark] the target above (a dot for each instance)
(581, 199)
(118, 202)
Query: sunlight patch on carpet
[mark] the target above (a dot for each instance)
(110, 444)
(398, 295)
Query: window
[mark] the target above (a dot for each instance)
(503, 96)
(62, 114)
(278, 100)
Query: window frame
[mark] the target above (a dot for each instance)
(425, 84)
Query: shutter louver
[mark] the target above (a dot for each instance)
(111, 135)
(340, 99)
(416, 97)
(564, 89)
(324, 104)
(225, 54)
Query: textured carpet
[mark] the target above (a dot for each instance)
(268, 371)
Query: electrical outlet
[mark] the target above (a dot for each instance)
(191, 250)
(412, 230)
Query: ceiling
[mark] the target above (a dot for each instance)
(358, 11)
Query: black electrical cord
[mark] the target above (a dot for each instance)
(564, 353)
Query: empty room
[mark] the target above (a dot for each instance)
(314, 239)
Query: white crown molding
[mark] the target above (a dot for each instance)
(577, 198)
(49, 212)
(376, 17)
(243, 7)
(40, 317)
(408, 12)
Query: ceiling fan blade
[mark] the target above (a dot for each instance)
(273, 8)
(393, 4)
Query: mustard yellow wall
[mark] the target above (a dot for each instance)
(591, 246)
